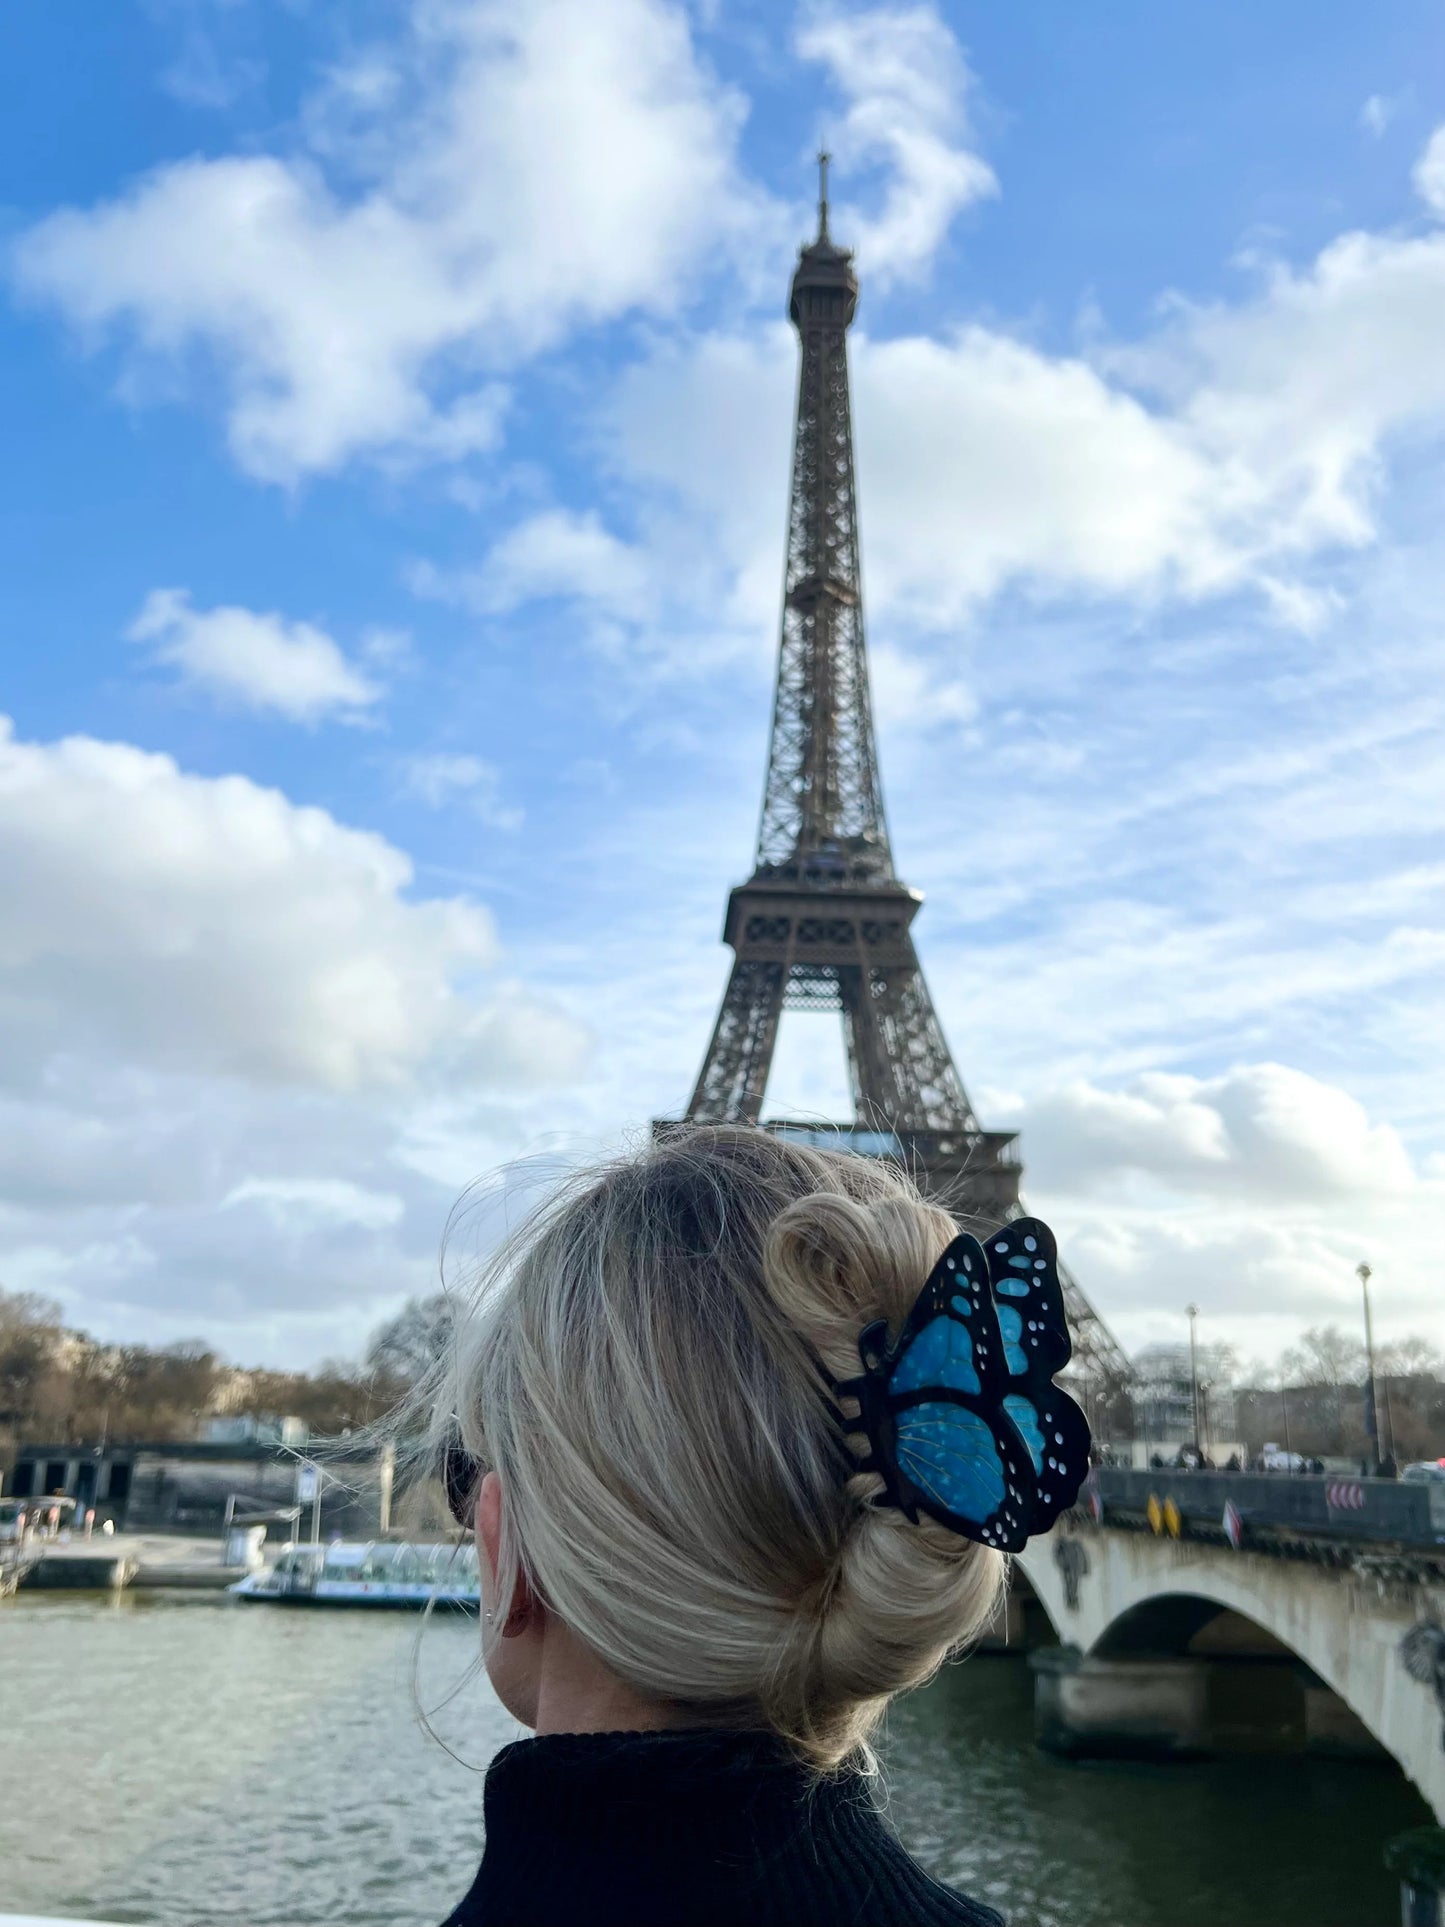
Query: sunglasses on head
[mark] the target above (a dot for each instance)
(461, 1475)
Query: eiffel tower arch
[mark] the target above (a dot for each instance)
(824, 922)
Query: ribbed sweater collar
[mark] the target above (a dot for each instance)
(690, 1829)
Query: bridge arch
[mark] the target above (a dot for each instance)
(1179, 1625)
(1119, 1598)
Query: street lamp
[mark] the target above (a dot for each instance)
(1372, 1414)
(1193, 1311)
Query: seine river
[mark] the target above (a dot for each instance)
(188, 1759)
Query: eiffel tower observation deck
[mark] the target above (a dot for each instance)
(824, 922)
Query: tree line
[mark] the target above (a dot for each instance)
(1312, 1397)
(61, 1386)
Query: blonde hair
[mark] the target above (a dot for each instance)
(641, 1368)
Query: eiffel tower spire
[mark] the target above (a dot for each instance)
(824, 923)
(822, 798)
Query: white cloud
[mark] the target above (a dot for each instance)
(442, 778)
(556, 553)
(982, 461)
(1231, 448)
(909, 693)
(312, 1202)
(700, 430)
(988, 461)
(221, 1017)
(388, 650)
(905, 84)
(260, 661)
(1430, 173)
(529, 170)
(1259, 1130)
(205, 72)
(1377, 113)
(211, 926)
(1253, 1194)
(1257, 1277)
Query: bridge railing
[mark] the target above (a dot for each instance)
(1371, 1511)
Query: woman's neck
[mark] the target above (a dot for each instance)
(576, 1693)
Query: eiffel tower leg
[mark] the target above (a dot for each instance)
(735, 1071)
(875, 1090)
(902, 1072)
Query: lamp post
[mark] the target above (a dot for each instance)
(1372, 1414)
(1193, 1311)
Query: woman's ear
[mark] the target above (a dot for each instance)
(523, 1609)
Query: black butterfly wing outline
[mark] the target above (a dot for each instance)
(1023, 1269)
(931, 1405)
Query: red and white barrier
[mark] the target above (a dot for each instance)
(1344, 1495)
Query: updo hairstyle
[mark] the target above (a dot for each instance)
(641, 1368)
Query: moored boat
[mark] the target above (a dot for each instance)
(380, 1574)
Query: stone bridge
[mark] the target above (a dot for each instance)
(1315, 1632)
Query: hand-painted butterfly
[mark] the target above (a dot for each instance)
(962, 1416)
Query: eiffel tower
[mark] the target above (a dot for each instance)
(824, 923)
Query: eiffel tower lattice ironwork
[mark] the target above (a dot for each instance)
(824, 923)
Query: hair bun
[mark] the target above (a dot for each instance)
(641, 1369)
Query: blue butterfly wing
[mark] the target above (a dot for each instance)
(952, 1457)
(1034, 1334)
(958, 1458)
(951, 1337)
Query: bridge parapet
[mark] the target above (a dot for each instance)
(1384, 1512)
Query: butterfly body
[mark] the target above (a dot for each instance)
(963, 1420)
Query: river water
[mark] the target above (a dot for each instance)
(187, 1759)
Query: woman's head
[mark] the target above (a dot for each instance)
(643, 1377)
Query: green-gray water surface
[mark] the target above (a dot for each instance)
(188, 1760)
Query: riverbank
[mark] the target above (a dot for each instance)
(111, 1562)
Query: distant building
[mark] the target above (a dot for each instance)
(184, 1485)
(1163, 1397)
(244, 1428)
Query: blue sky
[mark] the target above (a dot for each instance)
(398, 400)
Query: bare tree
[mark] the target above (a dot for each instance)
(32, 1380)
(406, 1347)
(1410, 1357)
(1324, 1356)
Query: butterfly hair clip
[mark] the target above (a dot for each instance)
(962, 1416)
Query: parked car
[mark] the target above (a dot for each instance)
(1422, 1471)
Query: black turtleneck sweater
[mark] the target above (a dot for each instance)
(691, 1829)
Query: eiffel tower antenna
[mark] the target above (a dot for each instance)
(824, 923)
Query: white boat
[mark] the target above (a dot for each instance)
(346, 1574)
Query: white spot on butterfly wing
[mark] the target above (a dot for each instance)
(1031, 1244)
